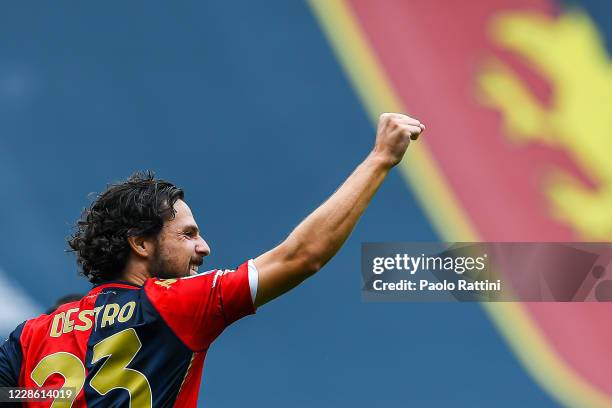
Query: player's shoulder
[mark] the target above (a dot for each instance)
(173, 284)
(15, 335)
(45, 320)
(196, 285)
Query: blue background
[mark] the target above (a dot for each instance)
(244, 105)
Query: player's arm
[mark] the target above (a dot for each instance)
(317, 239)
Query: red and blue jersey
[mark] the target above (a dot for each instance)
(126, 345)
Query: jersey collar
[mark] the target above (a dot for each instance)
(114, 284)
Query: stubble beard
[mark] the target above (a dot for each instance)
(161, 268)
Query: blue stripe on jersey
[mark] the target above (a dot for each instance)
(160, 362)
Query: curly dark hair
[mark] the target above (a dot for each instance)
(136, 207)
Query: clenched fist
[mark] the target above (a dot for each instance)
(395, 131)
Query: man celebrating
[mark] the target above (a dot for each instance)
(139, 337)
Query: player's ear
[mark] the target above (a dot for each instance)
(141, 246)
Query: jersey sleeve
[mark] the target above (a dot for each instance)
(198, 308)
(11, 357)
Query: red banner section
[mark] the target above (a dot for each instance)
(504, 88)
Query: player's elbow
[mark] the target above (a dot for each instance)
(310, 266)
(304, 258)
(310, 261)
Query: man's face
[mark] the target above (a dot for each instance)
(180, 248)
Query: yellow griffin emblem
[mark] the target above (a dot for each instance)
(570, 52)
(166, 283)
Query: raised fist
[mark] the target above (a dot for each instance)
(395, 131)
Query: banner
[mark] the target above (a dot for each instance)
(516, 96)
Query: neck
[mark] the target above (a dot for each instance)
(135, 273)
(135, 279)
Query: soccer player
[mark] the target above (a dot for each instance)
(139, 337)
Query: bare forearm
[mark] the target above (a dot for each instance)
(317, 239)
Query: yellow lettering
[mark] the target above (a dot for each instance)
(85, 317)
(68, 323)
(58, 322)
(166, 283)
(119, 349)
(126, 312)
(68, 366)
(110, 313)
(96, 311)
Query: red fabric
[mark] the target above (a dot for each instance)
(199, 308)
(36, 344)
(188, 395)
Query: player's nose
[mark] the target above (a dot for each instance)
(202, 248)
